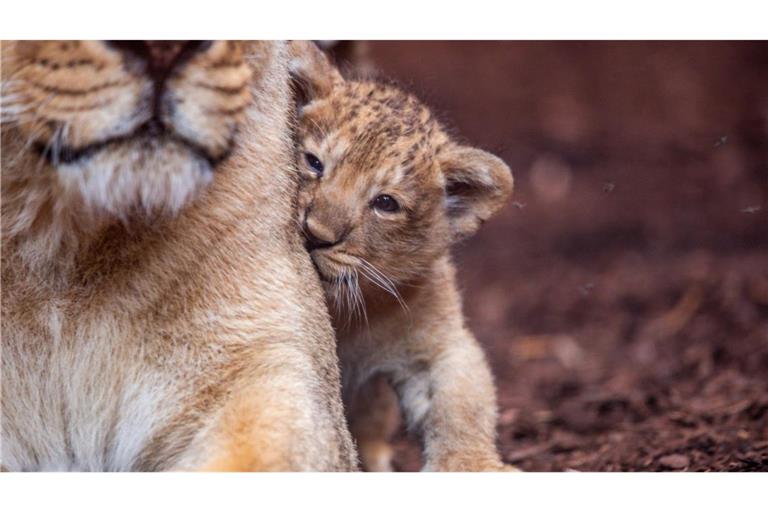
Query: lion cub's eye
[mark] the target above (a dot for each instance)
(314, 163)
(385, 203)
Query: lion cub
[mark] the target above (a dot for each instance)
(385, 193)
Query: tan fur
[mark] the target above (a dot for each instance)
(388, 274)
(158, 311)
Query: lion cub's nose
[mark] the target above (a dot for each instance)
(317, 236)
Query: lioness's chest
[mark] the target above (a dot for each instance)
(82, 392)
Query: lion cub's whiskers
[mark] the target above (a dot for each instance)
(352, 301)
(377, 277)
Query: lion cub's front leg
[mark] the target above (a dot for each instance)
(450, 398)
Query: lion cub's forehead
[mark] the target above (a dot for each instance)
(369, 127)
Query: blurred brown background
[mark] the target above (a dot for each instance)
(623, 296)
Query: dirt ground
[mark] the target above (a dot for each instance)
(622, 298)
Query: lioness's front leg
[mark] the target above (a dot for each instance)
(285, 419)
(450, 398)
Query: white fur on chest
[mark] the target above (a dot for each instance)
(76, 405)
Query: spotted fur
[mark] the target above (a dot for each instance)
(387, 271)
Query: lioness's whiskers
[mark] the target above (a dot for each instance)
(29, 116)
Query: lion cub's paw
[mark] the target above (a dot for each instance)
(376, 456)
(498, 467)
(471, 465)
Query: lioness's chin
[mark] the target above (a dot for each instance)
(137, 177)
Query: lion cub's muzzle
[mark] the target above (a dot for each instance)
(322, 238)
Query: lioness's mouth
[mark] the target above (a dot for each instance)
(151, 131)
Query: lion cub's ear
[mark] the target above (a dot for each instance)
(477, 184)
(313, 75)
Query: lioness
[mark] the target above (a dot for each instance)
(385, 193)
(158, 309)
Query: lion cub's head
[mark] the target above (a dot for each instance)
(120, 127)
(385, 189)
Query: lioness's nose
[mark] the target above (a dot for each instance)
(317, 236)
(161, 56)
